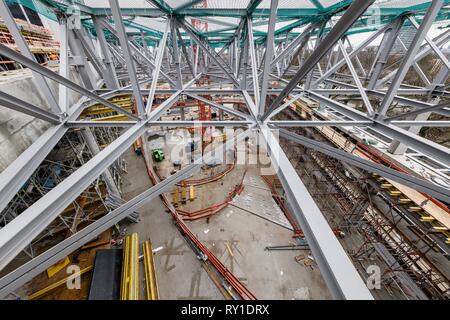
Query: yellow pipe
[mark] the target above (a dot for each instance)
(183, 194)
(191, 193)
(150, 272)
(130, 268)
(175, 197)
(101, 110)
(119, 117)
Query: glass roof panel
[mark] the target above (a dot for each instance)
(286, 4)
(135, 4)
(176, 3)
(241, 4)
(218, 4)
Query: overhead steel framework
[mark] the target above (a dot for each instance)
(268, 53)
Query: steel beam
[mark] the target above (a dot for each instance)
(211, 55)
(338, 271)
(156, 70)
(420, 111)
(318, 123)
(228, 123)
(41, 82)
(431, 43)
(268, 58)
(219, 106)
(410, 55)
(17, 104)
(29, 270)
(121, 33)
(292, 45)
(355, 76)
(251, 44)
(63, 95)
(139, 53)
(418, 184)
(424, 51)
(414, 141)
(176, 56)
(7, 52)
(111, 81)
(355, 10)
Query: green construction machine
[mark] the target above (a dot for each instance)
(158, 155)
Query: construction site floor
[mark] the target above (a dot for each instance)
(239, 234)
(179, 272)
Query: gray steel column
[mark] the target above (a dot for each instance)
(409, 58)
(156, 71)
(17, 104)
(292, 45)
(339, 63)
(355, 76)
(63, 94)
(79, 60)
(356, 9)
(185, 52)
(319, 38)
(176, 55)
(297, 53)
(213, 55)
(111, 81)
(268, 57)
(384, 50)
(121, 33)
(251, 44)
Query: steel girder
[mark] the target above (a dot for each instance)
(334, 264)
(356, 9)
(410, 55)
(17, 234)
(337, 269)
(433, 149)
(17, 104)
(7, 52)
(432, 189)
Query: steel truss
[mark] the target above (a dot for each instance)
(322, 65)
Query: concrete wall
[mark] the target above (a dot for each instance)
(18, 130)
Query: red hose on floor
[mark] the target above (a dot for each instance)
(241, 289)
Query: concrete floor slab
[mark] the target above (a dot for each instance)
(180, 274)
